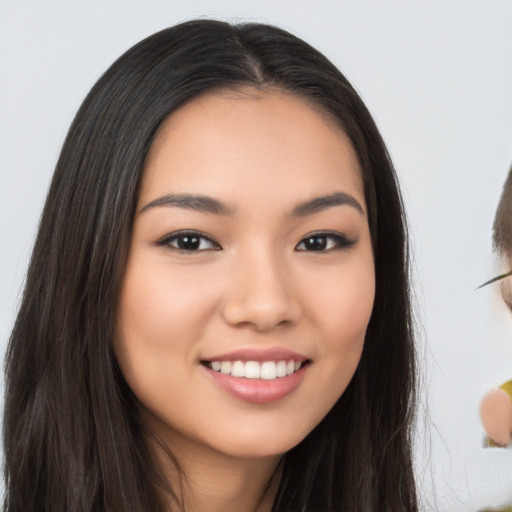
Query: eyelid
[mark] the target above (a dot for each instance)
(341, 241)
(165, 241)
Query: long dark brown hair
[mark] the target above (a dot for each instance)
(72, 435)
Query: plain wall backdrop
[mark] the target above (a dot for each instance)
(437, 77)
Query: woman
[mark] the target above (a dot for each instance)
(216, 314)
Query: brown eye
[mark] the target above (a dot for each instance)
(189, 242)
(315, 243)
(324, 242)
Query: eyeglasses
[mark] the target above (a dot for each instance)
(494, 279)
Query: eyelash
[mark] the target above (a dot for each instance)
(168, 240)
(320, 239)
(338, 241)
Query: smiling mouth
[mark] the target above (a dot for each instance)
(266, 370)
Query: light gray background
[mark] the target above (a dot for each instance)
(436, 75)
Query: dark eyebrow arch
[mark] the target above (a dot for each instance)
(319, 204)
(191, 202)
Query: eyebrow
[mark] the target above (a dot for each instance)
(198, 203)
(319, 204)
(206, 204)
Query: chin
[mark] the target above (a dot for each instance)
(261, 443)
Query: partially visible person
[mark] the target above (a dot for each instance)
(496, 406)
(216, 315)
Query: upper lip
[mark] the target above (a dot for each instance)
(259, 354)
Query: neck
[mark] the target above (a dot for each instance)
(207, 481)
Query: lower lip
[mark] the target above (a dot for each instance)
(258, 391)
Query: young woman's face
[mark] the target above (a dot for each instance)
(251, 255)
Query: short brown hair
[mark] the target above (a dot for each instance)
(502, 228)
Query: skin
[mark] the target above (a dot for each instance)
(496, 414)
(506, 285)
(254, 285)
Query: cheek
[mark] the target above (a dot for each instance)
(159, 305)
(161, 316)
(343, 304)
(345, 327)
(349, 312)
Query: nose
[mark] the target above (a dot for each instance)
(262, 295)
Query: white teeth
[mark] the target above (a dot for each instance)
(281, 369)
(225, 367)
(267, 370)
(238, 369)
(252, 370)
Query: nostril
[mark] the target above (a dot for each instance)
(262, 317)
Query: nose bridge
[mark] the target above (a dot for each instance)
(262, 291)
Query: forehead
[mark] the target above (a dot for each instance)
(229, 141)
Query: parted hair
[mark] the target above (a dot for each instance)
(73, 436)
